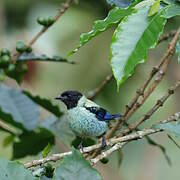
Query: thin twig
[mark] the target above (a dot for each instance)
(159, 104)
(64, 7)
(161, 69)
(167, 36)
(95, 92)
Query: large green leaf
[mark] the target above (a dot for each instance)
(114, 16)
(75, 167)
(133, 37)
(17, 109)
(45, 103)
(171, 11)
(178, 49)
(31, 143)
(10, 170)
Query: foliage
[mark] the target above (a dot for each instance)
(138, 26)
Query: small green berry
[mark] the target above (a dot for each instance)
(2, 75)
(5, 59)
(41, 21)
(24, 68)
(20, 46)
(50, 21)
(11, 67)
(5, 51)
(29, 49)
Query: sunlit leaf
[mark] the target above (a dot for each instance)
(114, 16)
(46, 150)
(171, 11)
(134, 36)
(154, 8)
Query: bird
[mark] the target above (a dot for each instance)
(86, 118)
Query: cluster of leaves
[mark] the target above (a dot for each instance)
(139, 26)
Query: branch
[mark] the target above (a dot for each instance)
(95, 92)
(158, 104)
(161, 70)
(64, 7)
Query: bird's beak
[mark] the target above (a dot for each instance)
(60, 98)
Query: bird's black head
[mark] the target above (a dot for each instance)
(70, 98)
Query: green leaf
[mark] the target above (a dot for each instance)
(171, 11)
(31, 143)
(33, 57)
(45, 103)
(13, 170)
(8, 140)
(46, 150)
(17, 109)
(99, 26)
(59, 127)
(75, 167)
(173, 128)
(154, 8)
(178, 49)
(133, 37)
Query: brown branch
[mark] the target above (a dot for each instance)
(161, 69)
(159, 104)
(96, 91)
(64, 7)
(167, 36)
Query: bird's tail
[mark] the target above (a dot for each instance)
(116, 116)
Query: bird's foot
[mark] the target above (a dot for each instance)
(103, 143)
(80, 146)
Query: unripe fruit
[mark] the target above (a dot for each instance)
(5, 59)
(5, 51)
(11, 67)
(20, 46)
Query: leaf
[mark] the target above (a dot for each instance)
(8, 140)
(46, 150)
(75, 167)
(13, 170)
(178, 49)
(31, 143)
(119, 3)
(99, 26)
(173, 128)
(133, 37)
(59, 127)
(45, 103)
(171, 11)
(17, 109)
(154, 8)
(33, 57)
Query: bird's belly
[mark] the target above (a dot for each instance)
(84, 125)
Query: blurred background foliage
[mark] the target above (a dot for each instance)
(18, 21)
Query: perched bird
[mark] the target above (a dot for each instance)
(86, 118)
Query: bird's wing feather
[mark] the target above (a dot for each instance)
(102, 114)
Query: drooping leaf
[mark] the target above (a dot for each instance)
(114, 16)
(133, 37)
(59, 127)
(171, 11)
(46, 150)
(75, 167)
(119, 3)
(17, 109)
(10, 170)
(31, 143)
(178, 49)
(154, 8)
(33, 57)
(45, 103)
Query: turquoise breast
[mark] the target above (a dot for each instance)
(85, 124)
